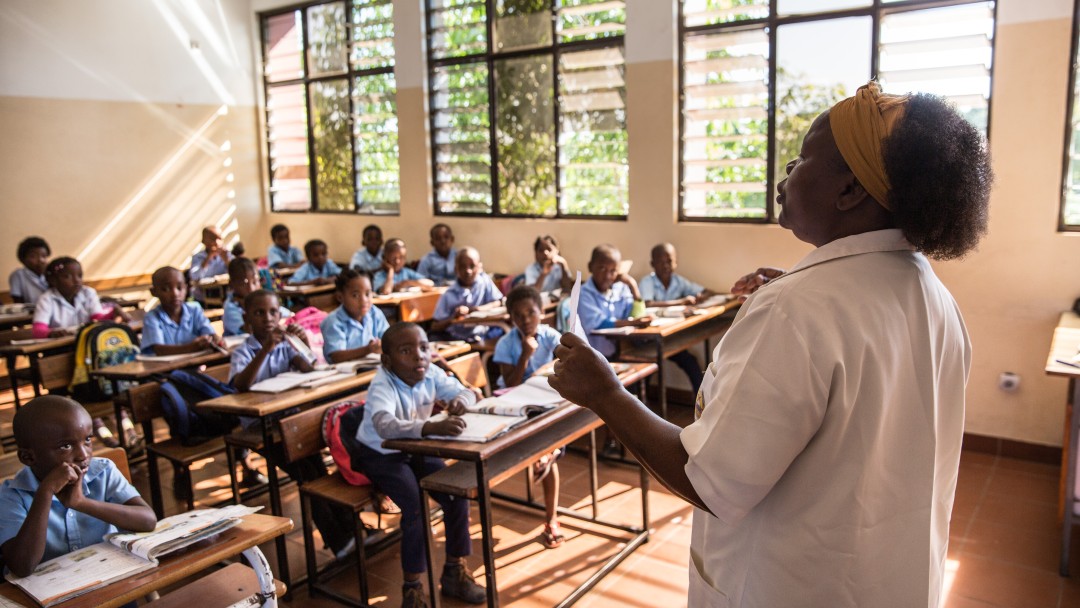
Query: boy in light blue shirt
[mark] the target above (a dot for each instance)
(472, 289)
(212, 261)
(281, 253)
(438, 264)
(174, 326)
(319, 268)
(369, 257)
(355, 328)
(29, 282)
(243, 279)
(400, 403)
(607, 298)
(663, 287)
(64, 499)
(395, 275)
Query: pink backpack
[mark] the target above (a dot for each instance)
(310, 319)
(339, 425)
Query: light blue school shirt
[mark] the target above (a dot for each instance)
(438, 268)
(552, 281)
(233, 317)
(276, 255)
(196, 272)
(308, 271)
(601, 310)
(342, 332)
(159, 328)
(405, 274)
(653, 290)
(362, 260)
(508, 350)
(482, 291)
(278, 361)
(396, 410)
(27, 285)
(69, 530)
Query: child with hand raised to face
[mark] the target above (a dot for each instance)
(174, 326)
(608, 298)
(550, 271)
(243, 279)
(28, 283)
(64, 499)
(395, 275)
(68, 303)
(355, 328)
(400, 401)
(529, 346)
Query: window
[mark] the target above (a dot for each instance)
(328, 73)
(528, 107)
(1070, 189)
(755, 73)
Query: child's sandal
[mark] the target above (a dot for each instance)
(551, 538)
(384, 505)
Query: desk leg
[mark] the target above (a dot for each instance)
(267, 592)
(35, 375)
(1070, 479)
(660, 377)
(594, 484)
(484, 499)
(275, 501)
(117, 409)
(429, 548)
(12, 361)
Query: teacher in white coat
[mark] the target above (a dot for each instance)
(825, 449)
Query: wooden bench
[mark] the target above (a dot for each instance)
(145, 403)
(55, 375)
(302, 435)
(224, 587)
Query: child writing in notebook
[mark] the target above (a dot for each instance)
(395, 275)
(265, 354)
(401, 398)
(243, 279)
(472, 288)
(319, 269)
(63, 499)
(438, 264)
(281, 253)
(355, 328)
(28, 283)
(529, 346)
(68, 303)
(174, 326)
(369, 257)
(550, 270)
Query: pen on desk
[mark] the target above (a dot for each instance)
(221, 349)
(1069, 363)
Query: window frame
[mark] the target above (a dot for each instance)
(876, 10)
(349, 76)
(1070, 99)
(489, 59)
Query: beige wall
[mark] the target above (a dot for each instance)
(72, 164)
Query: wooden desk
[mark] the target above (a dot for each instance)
(241, 539)
(414, 307)
(1065, 346)
(266, 407)
(658, 342)
(483, 465)
(12, 320)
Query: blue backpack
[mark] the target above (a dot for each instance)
(180, 391)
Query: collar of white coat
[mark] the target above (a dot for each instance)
(868, 242)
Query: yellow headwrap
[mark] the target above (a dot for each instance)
(859, 125)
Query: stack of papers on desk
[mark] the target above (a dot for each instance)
(370, 361)
(532, 397)
(615, 331)
(167, 358)
(288, 380)
(487, 313)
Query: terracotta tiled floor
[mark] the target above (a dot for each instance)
(1005, 539)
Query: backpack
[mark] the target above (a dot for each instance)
(311, 319)
(99, 345)
(339, 425)
(180, 391)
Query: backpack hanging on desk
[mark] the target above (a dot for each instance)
(99, 345)
(339, 425)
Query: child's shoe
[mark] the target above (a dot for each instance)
(412, 596)
(457, 581)
(552, 537)
(104, 434)
(135, 444)
(252, 478)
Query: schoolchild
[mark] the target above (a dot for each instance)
(174, 326)
(438, 264)
(369, 257)
(68, 303)
(319, 269)
(471, 289)
(394, 274)
(28, 283)
(550, 270)
(355, 328)
(607, 298)
(281, 253)
(212, 261)
(663, 287)
(243, 279)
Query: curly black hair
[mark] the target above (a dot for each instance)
(348, 274)
(29, 244)
(939, 170)
(523, 293)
